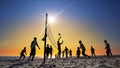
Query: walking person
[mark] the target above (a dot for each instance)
(108, 49)
(83, 49)
(93, 52)
(33, 49)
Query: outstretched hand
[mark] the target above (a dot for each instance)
(38, 46)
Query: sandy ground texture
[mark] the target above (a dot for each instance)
(103, 62)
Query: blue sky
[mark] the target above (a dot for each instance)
(105, 13)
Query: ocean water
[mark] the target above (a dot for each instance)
(8, 57)
(17, 57)
(14, 58)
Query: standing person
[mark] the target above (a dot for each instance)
(33, 49)
(93, 52)
(70, 53)
(22, 54)
(47, 50)
(78, 52)
(51, 50)
(66, 51)
(108, 49)
(59, 46)
(83, 49)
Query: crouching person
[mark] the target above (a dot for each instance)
(22, 54)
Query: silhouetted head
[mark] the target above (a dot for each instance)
(105, 41)
(65, 46)
(91, 46)
(24, 47)
(35, 38)
(50, 46)
(59, 34)
(47, 45)
(80, 41)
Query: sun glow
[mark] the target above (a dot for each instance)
(51, 19)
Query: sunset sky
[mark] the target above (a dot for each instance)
(91, 21)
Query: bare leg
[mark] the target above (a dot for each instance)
(111, 53)
(33, 56)
(23, 57)
(30, 56)
(20, 57)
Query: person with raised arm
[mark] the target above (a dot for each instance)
(59, 45)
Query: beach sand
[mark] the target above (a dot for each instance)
(101, 62)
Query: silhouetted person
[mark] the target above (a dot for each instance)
(59, 46)
(107, 47)
(70, 53)
(83, 49)
(22, 54)
(78, 52)
(47, 50)
(33, 48)
(66, 51)
(63, 54)
(51, 50)
(93, 52)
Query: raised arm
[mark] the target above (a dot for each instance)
(59, 38)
